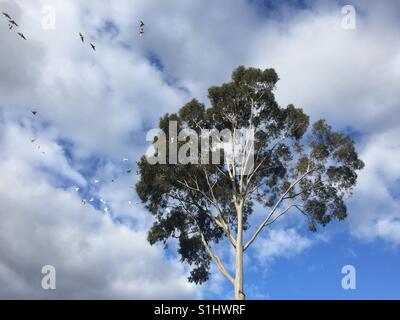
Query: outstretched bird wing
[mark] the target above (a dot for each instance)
(21, 35)
(6, 15)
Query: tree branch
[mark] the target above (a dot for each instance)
(265, 222)
(214, 257)
(250, 177)
(222, 224)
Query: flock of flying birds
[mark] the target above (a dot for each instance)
(34, 139)
(93, 46)
(83, 40)
(96, 181)
(11, 25)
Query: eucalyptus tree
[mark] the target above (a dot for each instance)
(284, 165)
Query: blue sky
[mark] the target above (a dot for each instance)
(95, 108)
(316, 273)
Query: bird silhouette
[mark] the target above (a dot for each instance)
(6, 15)
(13, 22)
(10, 26)
(21, 35)
(34, 113)
(141, 27)
(93, 46)
(82, 37)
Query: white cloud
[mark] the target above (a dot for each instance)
(281, 243)
(350, 78)
(96, 99)
(375, 202)
(94, 256)
(347, 77)
(102, 103)
(389, 229)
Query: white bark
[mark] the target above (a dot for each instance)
(239, 295)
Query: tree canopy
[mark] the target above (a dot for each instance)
(307, 169)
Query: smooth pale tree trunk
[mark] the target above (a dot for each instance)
(239, 255)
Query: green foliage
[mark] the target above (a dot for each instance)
(185, 198)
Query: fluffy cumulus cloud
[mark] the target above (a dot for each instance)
(281, 243)
(351, 78)
(94, 109)
(376, 203)
(44, 224)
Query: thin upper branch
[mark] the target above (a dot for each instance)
(220, 223)
(213, 256)
(265, 222)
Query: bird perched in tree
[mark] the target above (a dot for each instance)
(6, 15)
(21, 35)
(82, 37)
(13, 22)
(93, 46)
(10, 26)
(34, 113)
